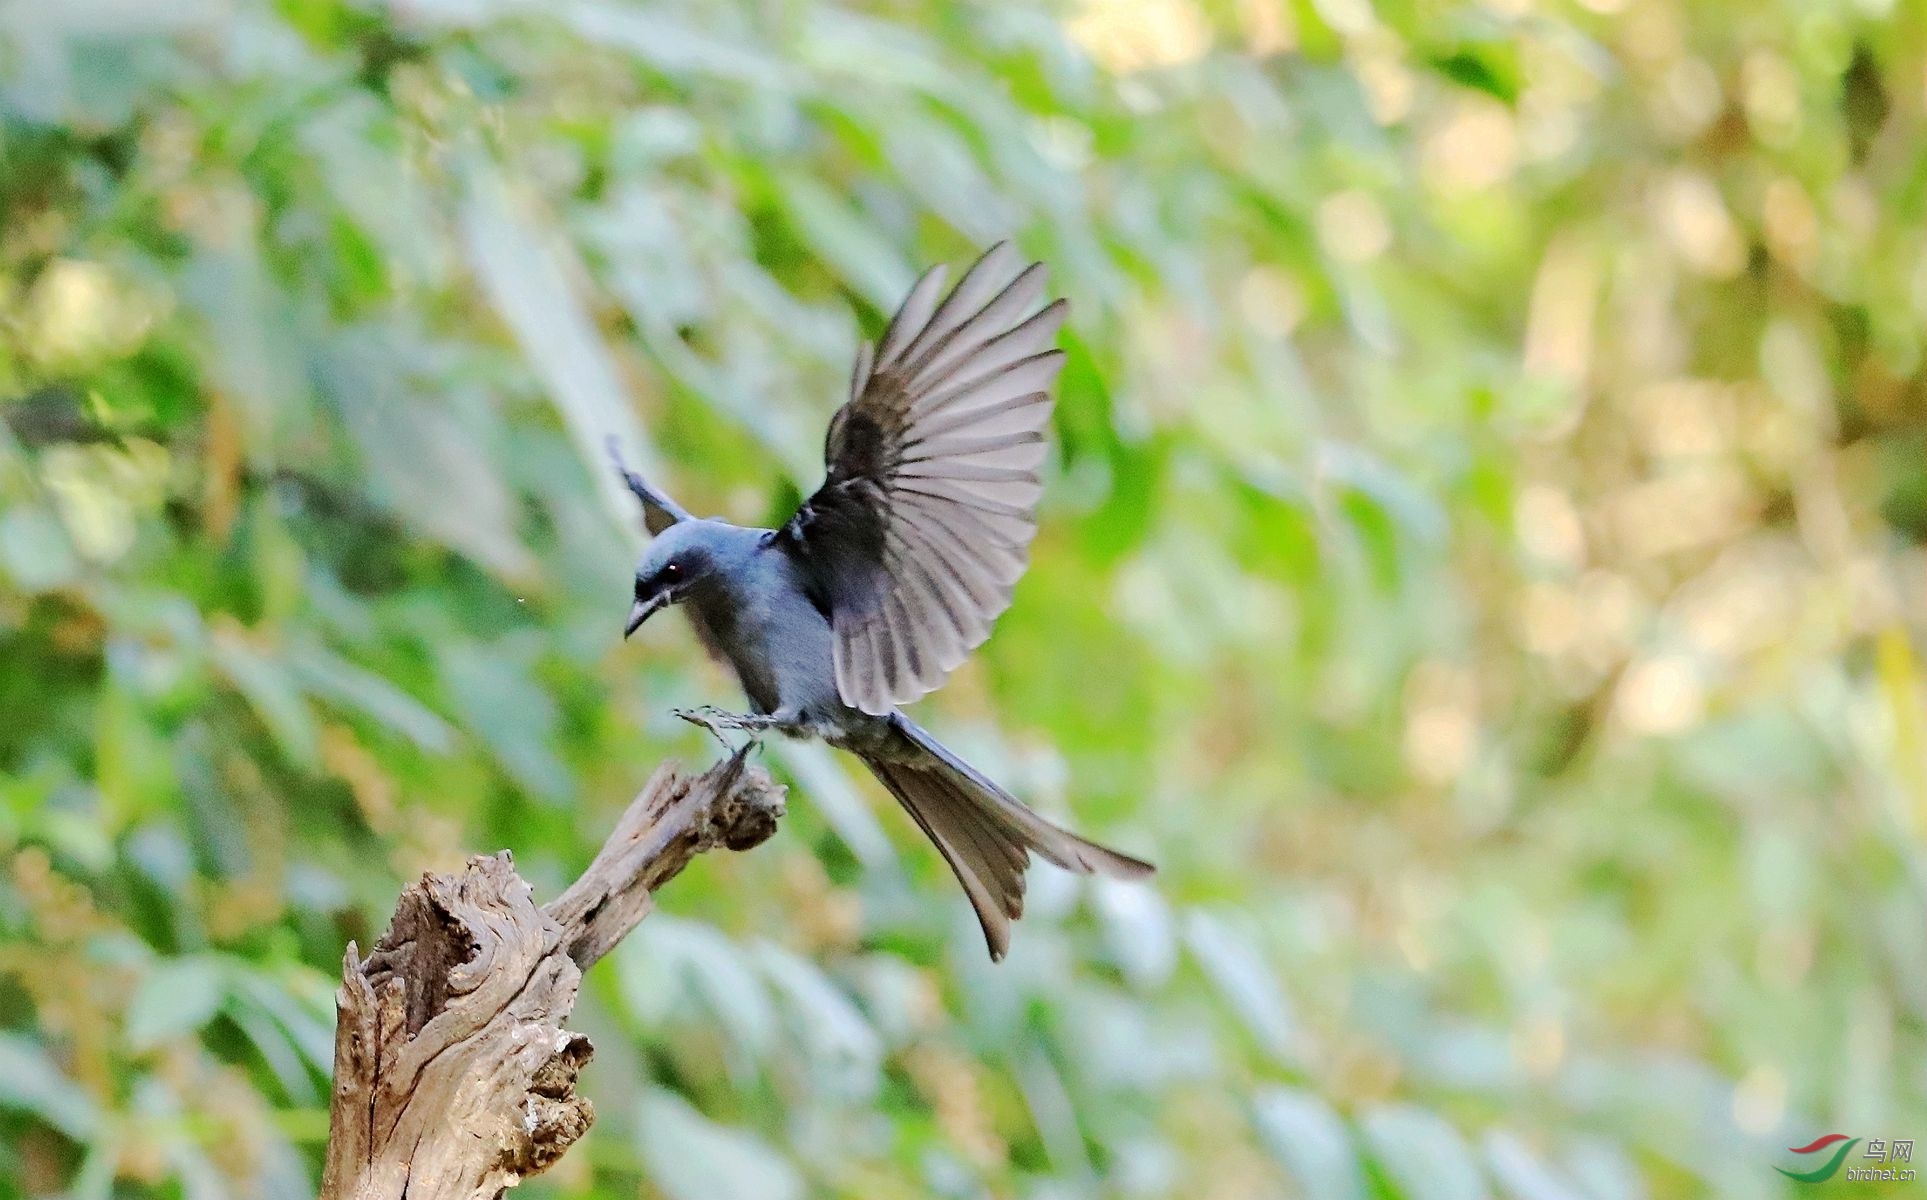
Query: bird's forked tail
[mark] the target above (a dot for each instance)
(984, 833)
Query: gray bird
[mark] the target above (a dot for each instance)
(890, 574)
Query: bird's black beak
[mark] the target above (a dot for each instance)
(641, 611)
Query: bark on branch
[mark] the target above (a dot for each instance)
(454, 1076)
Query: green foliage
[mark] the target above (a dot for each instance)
(1481, 566)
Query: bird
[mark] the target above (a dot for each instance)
(893, 570)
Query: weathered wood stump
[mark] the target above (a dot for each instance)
(454, 1076)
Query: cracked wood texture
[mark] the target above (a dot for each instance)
(454, 1076)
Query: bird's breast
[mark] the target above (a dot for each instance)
(778, 643)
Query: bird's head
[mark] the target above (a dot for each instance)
(680, 558)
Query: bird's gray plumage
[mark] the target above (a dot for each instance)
(894, 569)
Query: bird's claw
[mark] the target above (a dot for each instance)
(711, 717)
(702, 719)
(715, 720)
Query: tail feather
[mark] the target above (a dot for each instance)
(979, 858)
(983, 832)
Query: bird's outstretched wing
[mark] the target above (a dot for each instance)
(659, 512)
(924, 520)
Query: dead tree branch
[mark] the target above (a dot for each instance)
(454, 1076)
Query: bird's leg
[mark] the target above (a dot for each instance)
(703, 717)
(714, 719)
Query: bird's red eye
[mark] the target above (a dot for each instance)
(672, 571)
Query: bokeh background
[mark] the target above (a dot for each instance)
(1482, 564)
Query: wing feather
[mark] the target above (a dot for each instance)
(911, 318)
(923, 524)
(982, 570)
(979, 285)
(1000, 559)
(1007, 380)
(860, 371)
(1025, 450)
(1030, 336)
(943, 355)
(1018, 414)
(942, 631)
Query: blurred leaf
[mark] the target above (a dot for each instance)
(672, 959)
(31, 1082)
(1423, 1154)
(827, 1024)
(692, 1158)
(177, 996)
(278, 1051)
(1414, 513)
(509, 714)
(1481, 69)
(672, 46)
(309, 1024)
(270, 688)
(823, 776)
(1307, 1136)
(35, 550)
(843, 239)
(1521, 1173)
(422, 462)
(534, 286)
(1242, 976)
(1140, 931)
(255, 355)
(329, 675)
(1605, 1172)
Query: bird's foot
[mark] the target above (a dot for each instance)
(715, 720)
(711, 717)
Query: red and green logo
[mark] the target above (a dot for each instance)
(1827, 1169)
